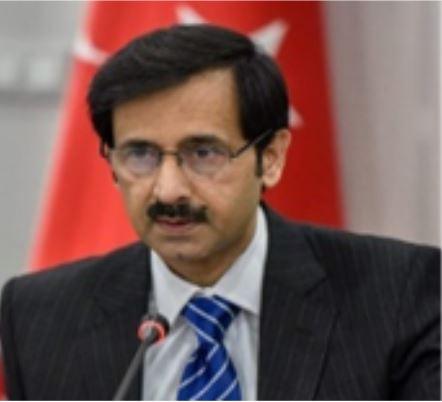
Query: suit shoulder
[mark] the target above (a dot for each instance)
(367, 249)
(337, 248)
(358, 261)
(361, 266)
(61, 281)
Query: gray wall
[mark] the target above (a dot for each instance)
(384, 74)
(34, 37)
(384, 68)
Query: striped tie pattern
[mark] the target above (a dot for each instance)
(209, 373)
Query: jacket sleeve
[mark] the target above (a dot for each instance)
(416, 358)
(13, 380)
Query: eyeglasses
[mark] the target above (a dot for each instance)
(204, 156)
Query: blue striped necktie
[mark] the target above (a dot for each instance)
(209, 373)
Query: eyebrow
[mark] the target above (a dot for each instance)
(137, 143)
(202, 138)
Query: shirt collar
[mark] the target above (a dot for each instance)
(241, 284)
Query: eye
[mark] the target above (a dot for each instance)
(140, 159)
(207, 151)
(203, 151)
(205, 158)
(140, 152)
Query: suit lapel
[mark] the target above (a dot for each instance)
(297, 316)
(108, 338)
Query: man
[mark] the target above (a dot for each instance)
(193, 123)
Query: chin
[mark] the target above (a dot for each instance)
(181, 254)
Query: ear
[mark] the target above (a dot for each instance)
(274, 156)
(104, 151)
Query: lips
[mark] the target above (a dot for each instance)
(175, 226)
(171, 221)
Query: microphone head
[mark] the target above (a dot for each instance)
(153, 322)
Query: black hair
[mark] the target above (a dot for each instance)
(167, 57)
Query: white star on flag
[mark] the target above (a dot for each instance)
(269, 38)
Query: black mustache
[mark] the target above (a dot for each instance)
(182, 210)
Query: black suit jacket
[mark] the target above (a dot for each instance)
(343, 317)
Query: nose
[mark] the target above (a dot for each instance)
(171, 183)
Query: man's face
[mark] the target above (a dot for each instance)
(203, 107)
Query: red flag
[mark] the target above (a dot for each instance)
(83, 213)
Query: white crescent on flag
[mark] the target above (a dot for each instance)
(85, 51)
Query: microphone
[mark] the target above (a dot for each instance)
(153, 328)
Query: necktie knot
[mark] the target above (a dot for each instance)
(210, 317)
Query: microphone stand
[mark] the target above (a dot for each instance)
(152, 329)
(134, 366)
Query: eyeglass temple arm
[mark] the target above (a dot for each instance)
(255, 141)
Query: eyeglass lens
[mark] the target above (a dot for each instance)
(202, 158)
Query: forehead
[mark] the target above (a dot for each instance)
(207, 103)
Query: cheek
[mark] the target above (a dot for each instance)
(232, 196)
(136, 198)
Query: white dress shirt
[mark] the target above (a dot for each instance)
(241, 284)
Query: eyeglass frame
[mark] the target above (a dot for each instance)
(232, 155)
